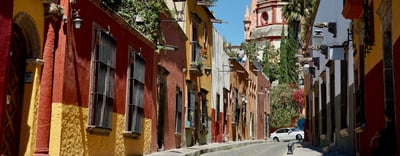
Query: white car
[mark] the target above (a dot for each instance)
(286, 134)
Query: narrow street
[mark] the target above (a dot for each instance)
(262, 149)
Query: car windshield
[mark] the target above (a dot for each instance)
(295, 129)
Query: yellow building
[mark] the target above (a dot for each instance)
(198, 28)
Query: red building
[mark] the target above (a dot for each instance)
(103, 86)
(170, 87)
(263, 106)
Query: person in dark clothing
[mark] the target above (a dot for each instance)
(384, 141)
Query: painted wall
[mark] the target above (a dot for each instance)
(238, 81)
(396, 70)
(35, 9)
(263, 104)
(220, 71)
(173, 62)
(69, 135)
(396, 64)
(251, 106)
(72, 85)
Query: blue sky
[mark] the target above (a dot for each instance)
(232, 12)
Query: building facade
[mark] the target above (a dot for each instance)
(350, 92)
(169, 112)
(330, 94)
(220, 89)
(198, 28)
(376, 69)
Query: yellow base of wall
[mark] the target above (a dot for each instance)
(69, 136)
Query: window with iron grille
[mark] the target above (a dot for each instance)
(190, 109)
(102, 82)
(178, 116)
(135, 95)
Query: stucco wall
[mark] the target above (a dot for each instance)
(69, 136)
(376, 54)
(35, 9)
(29, 111)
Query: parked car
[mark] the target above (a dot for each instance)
(287, 134)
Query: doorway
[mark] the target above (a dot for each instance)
(14, 99)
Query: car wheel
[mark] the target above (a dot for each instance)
(298, 137)
(276, 139)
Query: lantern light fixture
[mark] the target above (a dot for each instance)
(77, 20)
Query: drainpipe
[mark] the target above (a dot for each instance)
(46, 84)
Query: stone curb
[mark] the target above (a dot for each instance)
(197, 150)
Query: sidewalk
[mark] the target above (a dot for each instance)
(201, 149)
(305, 149)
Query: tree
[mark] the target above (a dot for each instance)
(300, 13)
(288, 68)
(285, 109)
(250, 48)
(270, 62)
(148, 11)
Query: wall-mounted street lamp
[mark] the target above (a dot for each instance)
(330, 25)
(318, 37)
(77, 20)
(207, 70)
(179, 7)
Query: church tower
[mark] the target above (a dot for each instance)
(264, 21)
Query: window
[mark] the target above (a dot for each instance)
(204, 112)
(324, 118)
(344, 92)
(102, 83)
(264, 18)
(195, 46)
(178, 116)
(190, 109)
(237, 109)
(332, 102)
(195, 54)
(135, 95)
(217, 109)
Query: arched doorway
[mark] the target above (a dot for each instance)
(15, 90)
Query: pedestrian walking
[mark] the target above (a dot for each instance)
(383, 143)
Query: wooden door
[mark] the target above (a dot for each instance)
(12, 112)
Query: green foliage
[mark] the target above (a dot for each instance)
(270, 64)
(300, 13)
(250, 49)
(285, 109)
(147, 10)
(288, 50)
(228, 49)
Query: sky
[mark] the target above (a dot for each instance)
(231, 12)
